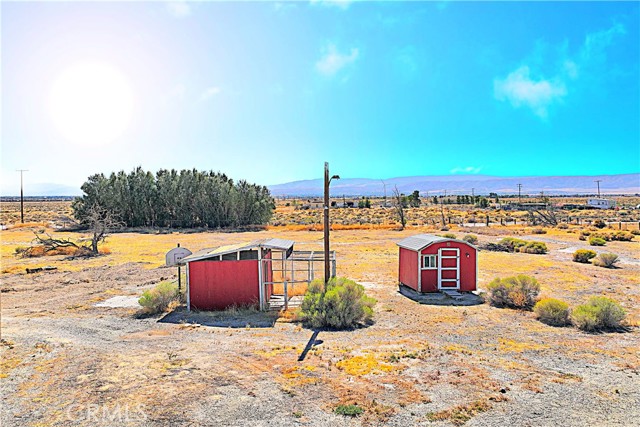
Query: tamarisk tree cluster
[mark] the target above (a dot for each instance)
(188, 198)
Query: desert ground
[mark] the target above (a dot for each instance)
(69, 360)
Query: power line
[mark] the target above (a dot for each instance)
(519, 191)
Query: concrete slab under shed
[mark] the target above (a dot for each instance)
(439, 298)
(120, 301)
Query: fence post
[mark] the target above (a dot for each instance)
(286, 296)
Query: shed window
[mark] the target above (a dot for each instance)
(429, 262)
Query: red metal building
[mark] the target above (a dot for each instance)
(430, 263)
(234, 275)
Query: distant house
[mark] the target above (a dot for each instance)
(601, 203)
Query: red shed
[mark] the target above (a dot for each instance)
(430, 263)
(238, 275)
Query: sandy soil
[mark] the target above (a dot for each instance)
(66, 361)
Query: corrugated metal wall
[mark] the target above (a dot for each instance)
(216, 285)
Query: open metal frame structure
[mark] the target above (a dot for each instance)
(289, 272)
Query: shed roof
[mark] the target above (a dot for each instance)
(279, 244)
(421, 241)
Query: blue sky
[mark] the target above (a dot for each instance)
(269, 91)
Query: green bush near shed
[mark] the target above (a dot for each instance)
(520, 292)
(552, 312)
(599, 313)
(157, 300)
(342, 305)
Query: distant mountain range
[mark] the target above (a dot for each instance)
(463, 184)
(433, 185)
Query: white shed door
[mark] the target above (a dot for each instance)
(449, 268)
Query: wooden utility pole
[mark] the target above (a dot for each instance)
(384, 186)
(21, 195)
(327, 261)
(598, 181)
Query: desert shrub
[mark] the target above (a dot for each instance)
(533, 248)
(519, 245)
(519, 292)
(471, 238)
(562, 226)
(606, 260)
(343, 305)
(538, 231)
(598, 223)
(597, 241)
(622, 236)
(445, 228)
(552, 311)
(585, 317)
(583, 255)
(449, 235)
(495, 247)
(604, 236)
(157, 300)
(512, 243)
(597, 314)
(348, 410)
(635, 232)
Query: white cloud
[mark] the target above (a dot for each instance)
(538, 94)
(333, 61)
(179, 9)
(340, 4)
(521, 90)
(465, 170)
(210, 92)
(596, 43)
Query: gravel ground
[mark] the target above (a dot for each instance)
(69, 362)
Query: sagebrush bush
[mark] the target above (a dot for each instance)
(552, 311)
(622, 236)
(538, 231)
(583, 255)
(604, 236)
(606, 260)
(519, 292)
(449, 235)
(157, 300)
(524, 246)
(599, 223)
(598, 313)
(344, 304)
(512, 243)
(597, 241)
(585, 317)
(562, 226)
(471, 238)
(533, 248)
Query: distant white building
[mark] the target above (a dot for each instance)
(601, 203)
